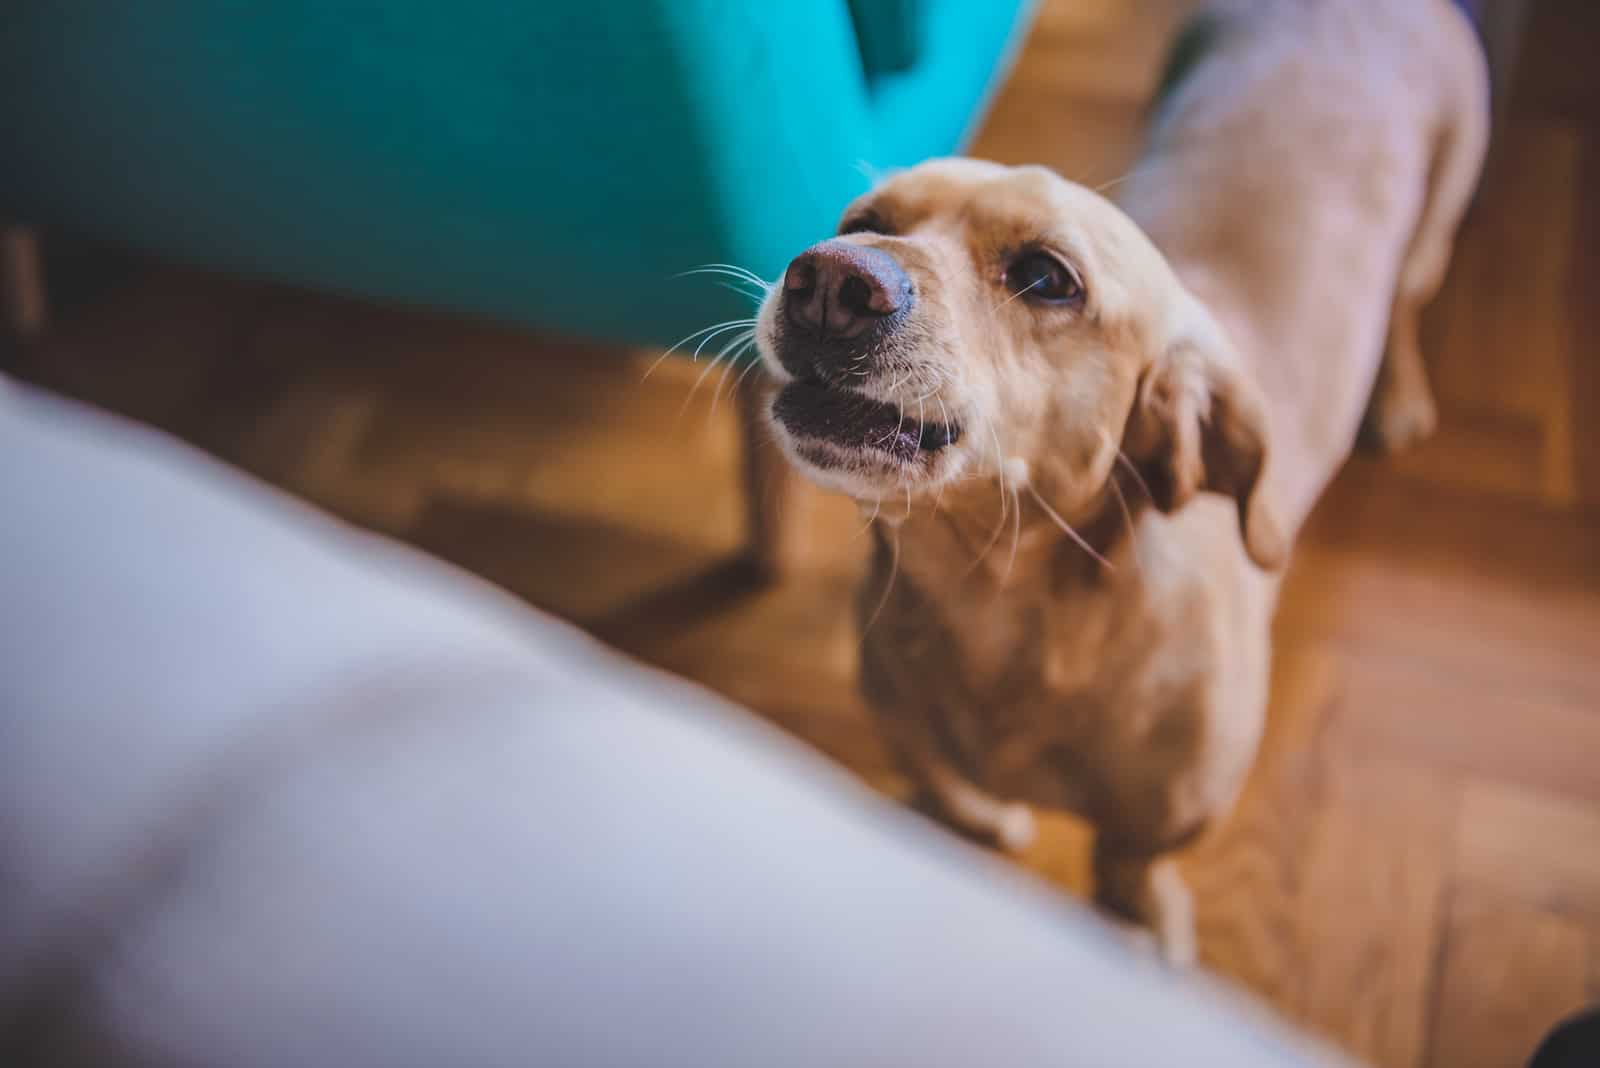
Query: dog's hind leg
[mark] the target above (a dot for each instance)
(1402, 412)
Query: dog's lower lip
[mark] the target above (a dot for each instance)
(810, 408)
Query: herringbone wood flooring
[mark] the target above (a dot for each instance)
(1415, 868)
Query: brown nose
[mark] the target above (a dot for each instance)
(839, 289)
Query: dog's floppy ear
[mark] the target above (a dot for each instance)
(1198, 423)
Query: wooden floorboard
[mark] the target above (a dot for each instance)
(1508, 973)
(1375, 868)
(1414, 869)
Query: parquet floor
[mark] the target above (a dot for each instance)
(1415, 869)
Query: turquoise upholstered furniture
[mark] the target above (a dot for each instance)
(549, 162)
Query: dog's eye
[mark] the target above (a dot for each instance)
(865, 223)
(1039, 276)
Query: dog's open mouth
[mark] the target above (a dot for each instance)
(811, 410)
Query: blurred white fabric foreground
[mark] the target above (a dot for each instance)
(275, 792)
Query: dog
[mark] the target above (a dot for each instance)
(1087, 432)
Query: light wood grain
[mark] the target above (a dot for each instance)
(1377, 868)
(1247, 874)
(1535, 847)
(1508, 974)
(1417, 854)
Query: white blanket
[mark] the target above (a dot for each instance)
(276, 792)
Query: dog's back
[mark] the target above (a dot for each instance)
(1301, 153)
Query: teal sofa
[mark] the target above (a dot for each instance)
(555, 163)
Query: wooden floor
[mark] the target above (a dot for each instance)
(1415, 869)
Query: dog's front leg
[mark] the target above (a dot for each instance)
(1148, 889)
(954, 798)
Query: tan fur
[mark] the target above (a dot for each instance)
(1302, 185)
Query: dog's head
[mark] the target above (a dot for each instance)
(973, 321)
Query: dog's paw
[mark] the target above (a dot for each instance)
(1173, 945)
(1016, 828)
(1401, 419)
(1178, 945)
(1137, 938)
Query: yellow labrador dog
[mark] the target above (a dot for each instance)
(1088, 434)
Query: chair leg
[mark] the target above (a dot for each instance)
(1501, 26)
(24, 310)
(776, 496)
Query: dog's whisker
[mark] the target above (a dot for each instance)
(738, 354)
(711, 365)
(734, 288)
(1066, 527)
(871, 173)
(1031, 285)
(1000, 523)
(752, 289)
(1128, 465)
(716, 391)
(944, 421)
(877, 506)
(988, 547)
(1127, 519)
(899, 425)
(1122, 458)
(717, 327)
(737, 344)
(740, 279)
(1103, 186)
(729, 269)
(738, 383)
(733, 268)
(1016, 536)
(894, 572)
(707, 339)
(999, 464)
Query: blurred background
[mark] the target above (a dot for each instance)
(414, 270)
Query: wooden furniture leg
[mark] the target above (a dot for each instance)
(776, 497)
(23, 308)
(1501, 25)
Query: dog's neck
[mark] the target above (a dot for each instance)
(997, 536)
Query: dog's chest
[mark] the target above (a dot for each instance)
(1012, 689)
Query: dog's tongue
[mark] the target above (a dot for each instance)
(846, 418)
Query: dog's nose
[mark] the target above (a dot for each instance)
(839, 290)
